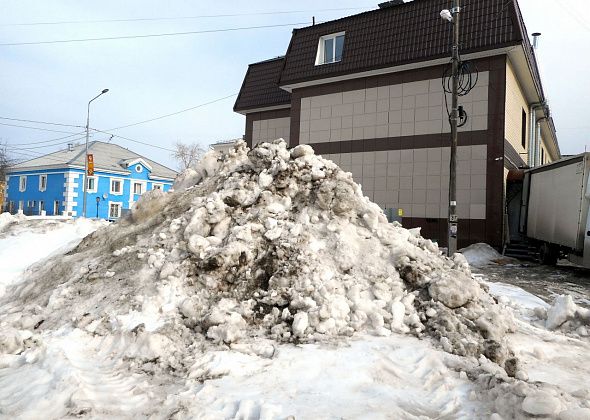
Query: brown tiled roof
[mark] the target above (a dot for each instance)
(260, 88)
(402, 34)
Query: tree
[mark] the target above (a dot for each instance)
(187, 155)
(5, 162)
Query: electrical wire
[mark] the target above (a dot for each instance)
(85, 22)
(174, 113)
(41, 122)
(36, 128)
(467, 79)
(133, 140)
(170, 34)
(52, 141)
(45, 146)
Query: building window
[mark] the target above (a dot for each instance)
(56, 208)
(42, 182)
(91, 184)
(41, 206)
(330, 49)
(114, 210)
(523, 129)
(21, 205)
(138, 168)
(542, 156)
(116, 186)
(22, 184)
(157, 186)
(137, 188)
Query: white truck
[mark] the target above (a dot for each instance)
(554, 210)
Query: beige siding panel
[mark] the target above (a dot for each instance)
(407, 109)
(416, 181)
(272, 129)
(515, 103)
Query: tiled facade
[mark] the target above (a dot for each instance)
(405, 109)
(271, 129)
(417, 180)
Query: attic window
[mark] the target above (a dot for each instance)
(330, 49)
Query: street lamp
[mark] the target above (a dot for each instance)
(86, 156)
(97, 203)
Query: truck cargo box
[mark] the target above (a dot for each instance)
(557, 205)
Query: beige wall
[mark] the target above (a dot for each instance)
(272, 129)
(406, 109)
(417, 180)
(515, 103)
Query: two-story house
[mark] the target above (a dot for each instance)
(54, 184)
(366, 91)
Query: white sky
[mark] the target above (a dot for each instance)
(150, 77)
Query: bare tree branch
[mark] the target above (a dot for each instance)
(187, 155)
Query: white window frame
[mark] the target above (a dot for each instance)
(319, 60)
(159, 185)
(140, 187)
(95, 178)
(138, 168)
(22, 183)
(41, 177)
(117, 203)
(111, 186)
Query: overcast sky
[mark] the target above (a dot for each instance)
(151, 77)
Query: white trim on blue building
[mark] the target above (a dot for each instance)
(35, 186)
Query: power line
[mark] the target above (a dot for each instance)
(43, 147)
(49, 141)
(40, 122)
(576, 16)
(134, 141)
(111, 38)
(174, 113)
(74, 22)
(36, 128)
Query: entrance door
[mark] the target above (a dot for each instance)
(56, 208)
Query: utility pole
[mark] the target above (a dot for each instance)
(85, 177)
(453, 219)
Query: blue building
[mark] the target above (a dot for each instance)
(54, 183)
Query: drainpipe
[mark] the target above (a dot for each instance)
(532, 130)
(538, 141)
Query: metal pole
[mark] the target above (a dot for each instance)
(453, 219)
(85, 177)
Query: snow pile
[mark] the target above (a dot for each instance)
(7, 219)
(189, 307)
(265, 243)
(25, 241)
(566, 316)
(480, 255)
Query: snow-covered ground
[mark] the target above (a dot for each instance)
(24, 241)
(268, 287)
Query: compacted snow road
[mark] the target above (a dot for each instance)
(544, 281)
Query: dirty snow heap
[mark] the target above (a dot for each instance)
(268, 243)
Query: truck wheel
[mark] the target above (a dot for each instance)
(548, 254)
